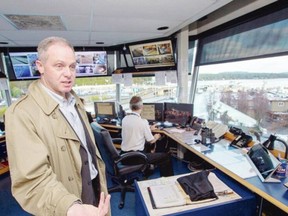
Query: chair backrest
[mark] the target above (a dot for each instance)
(105, 146)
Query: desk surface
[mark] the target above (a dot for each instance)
(220, 155)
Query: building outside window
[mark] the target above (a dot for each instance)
(241, 94)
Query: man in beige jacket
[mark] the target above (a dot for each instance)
(55, 166)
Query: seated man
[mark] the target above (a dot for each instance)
(136, 132)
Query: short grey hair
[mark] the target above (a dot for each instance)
(49, 41)
(136, 103)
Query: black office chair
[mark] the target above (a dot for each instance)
(121, 175)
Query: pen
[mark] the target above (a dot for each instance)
(223, 193)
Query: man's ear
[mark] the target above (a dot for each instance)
(40, 66)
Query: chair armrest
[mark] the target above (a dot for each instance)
(137, 155)
(117, 140)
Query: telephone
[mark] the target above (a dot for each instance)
(241, 141)
(195, 123)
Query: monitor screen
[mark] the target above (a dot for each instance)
(24, 65)
(105, 110)
(178, 113)
(89, 63)
(153, 54)
(153, 112)
(264, 162)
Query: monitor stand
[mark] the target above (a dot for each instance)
(272, 180)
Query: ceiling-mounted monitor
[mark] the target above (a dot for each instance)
(89, 64)
(153, 54)
(24, 65)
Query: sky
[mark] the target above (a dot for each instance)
(268, 65)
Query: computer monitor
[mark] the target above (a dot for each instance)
(264, 162)
(153, 112)
(105, 110)
(178, 113)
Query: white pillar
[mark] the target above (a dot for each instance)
(182, 64)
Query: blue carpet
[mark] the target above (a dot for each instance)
(9, 206)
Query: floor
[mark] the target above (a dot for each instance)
(9, 206)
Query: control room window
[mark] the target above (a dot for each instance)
(242, 94)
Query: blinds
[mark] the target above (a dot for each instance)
(264, 36)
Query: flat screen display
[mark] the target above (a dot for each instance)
(153, 112)
(92, 63)
(89, 63)
(105, 110)
(264, 162)
(24, 65)
(154, 54)
(178, 113)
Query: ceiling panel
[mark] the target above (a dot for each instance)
(111, 21)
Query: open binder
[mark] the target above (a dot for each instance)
(168, 195)
(172, 194)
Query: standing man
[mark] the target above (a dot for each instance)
(136, 132)
(55, 166)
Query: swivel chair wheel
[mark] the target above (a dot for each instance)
(121, 205)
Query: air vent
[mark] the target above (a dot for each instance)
(28, 22)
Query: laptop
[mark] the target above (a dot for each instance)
(264, 162)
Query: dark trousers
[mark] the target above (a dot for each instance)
(159, 159)
(163, 161)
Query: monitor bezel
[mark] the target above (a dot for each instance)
(34, 73)
(157, 56)
(184, 120)
(275, 162)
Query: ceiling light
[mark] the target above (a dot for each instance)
(99, 42)
(35, 22)
(1, 42)
(162, 28)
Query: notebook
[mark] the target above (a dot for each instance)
(264, 162)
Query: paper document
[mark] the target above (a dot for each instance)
(168, 195)
(219, 186)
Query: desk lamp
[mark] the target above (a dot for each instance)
(269, 144)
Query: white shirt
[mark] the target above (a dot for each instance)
(67, 107)
(135, 131)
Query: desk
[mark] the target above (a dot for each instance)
(114, 130)
(244, 206)
(3, 155)
(275, 193)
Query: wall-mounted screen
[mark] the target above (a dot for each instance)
(178, 113)
(153, 54)
(24, 65)
(89, 63)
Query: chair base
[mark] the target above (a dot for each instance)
(123, 187)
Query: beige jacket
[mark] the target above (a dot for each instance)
(43, 154)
